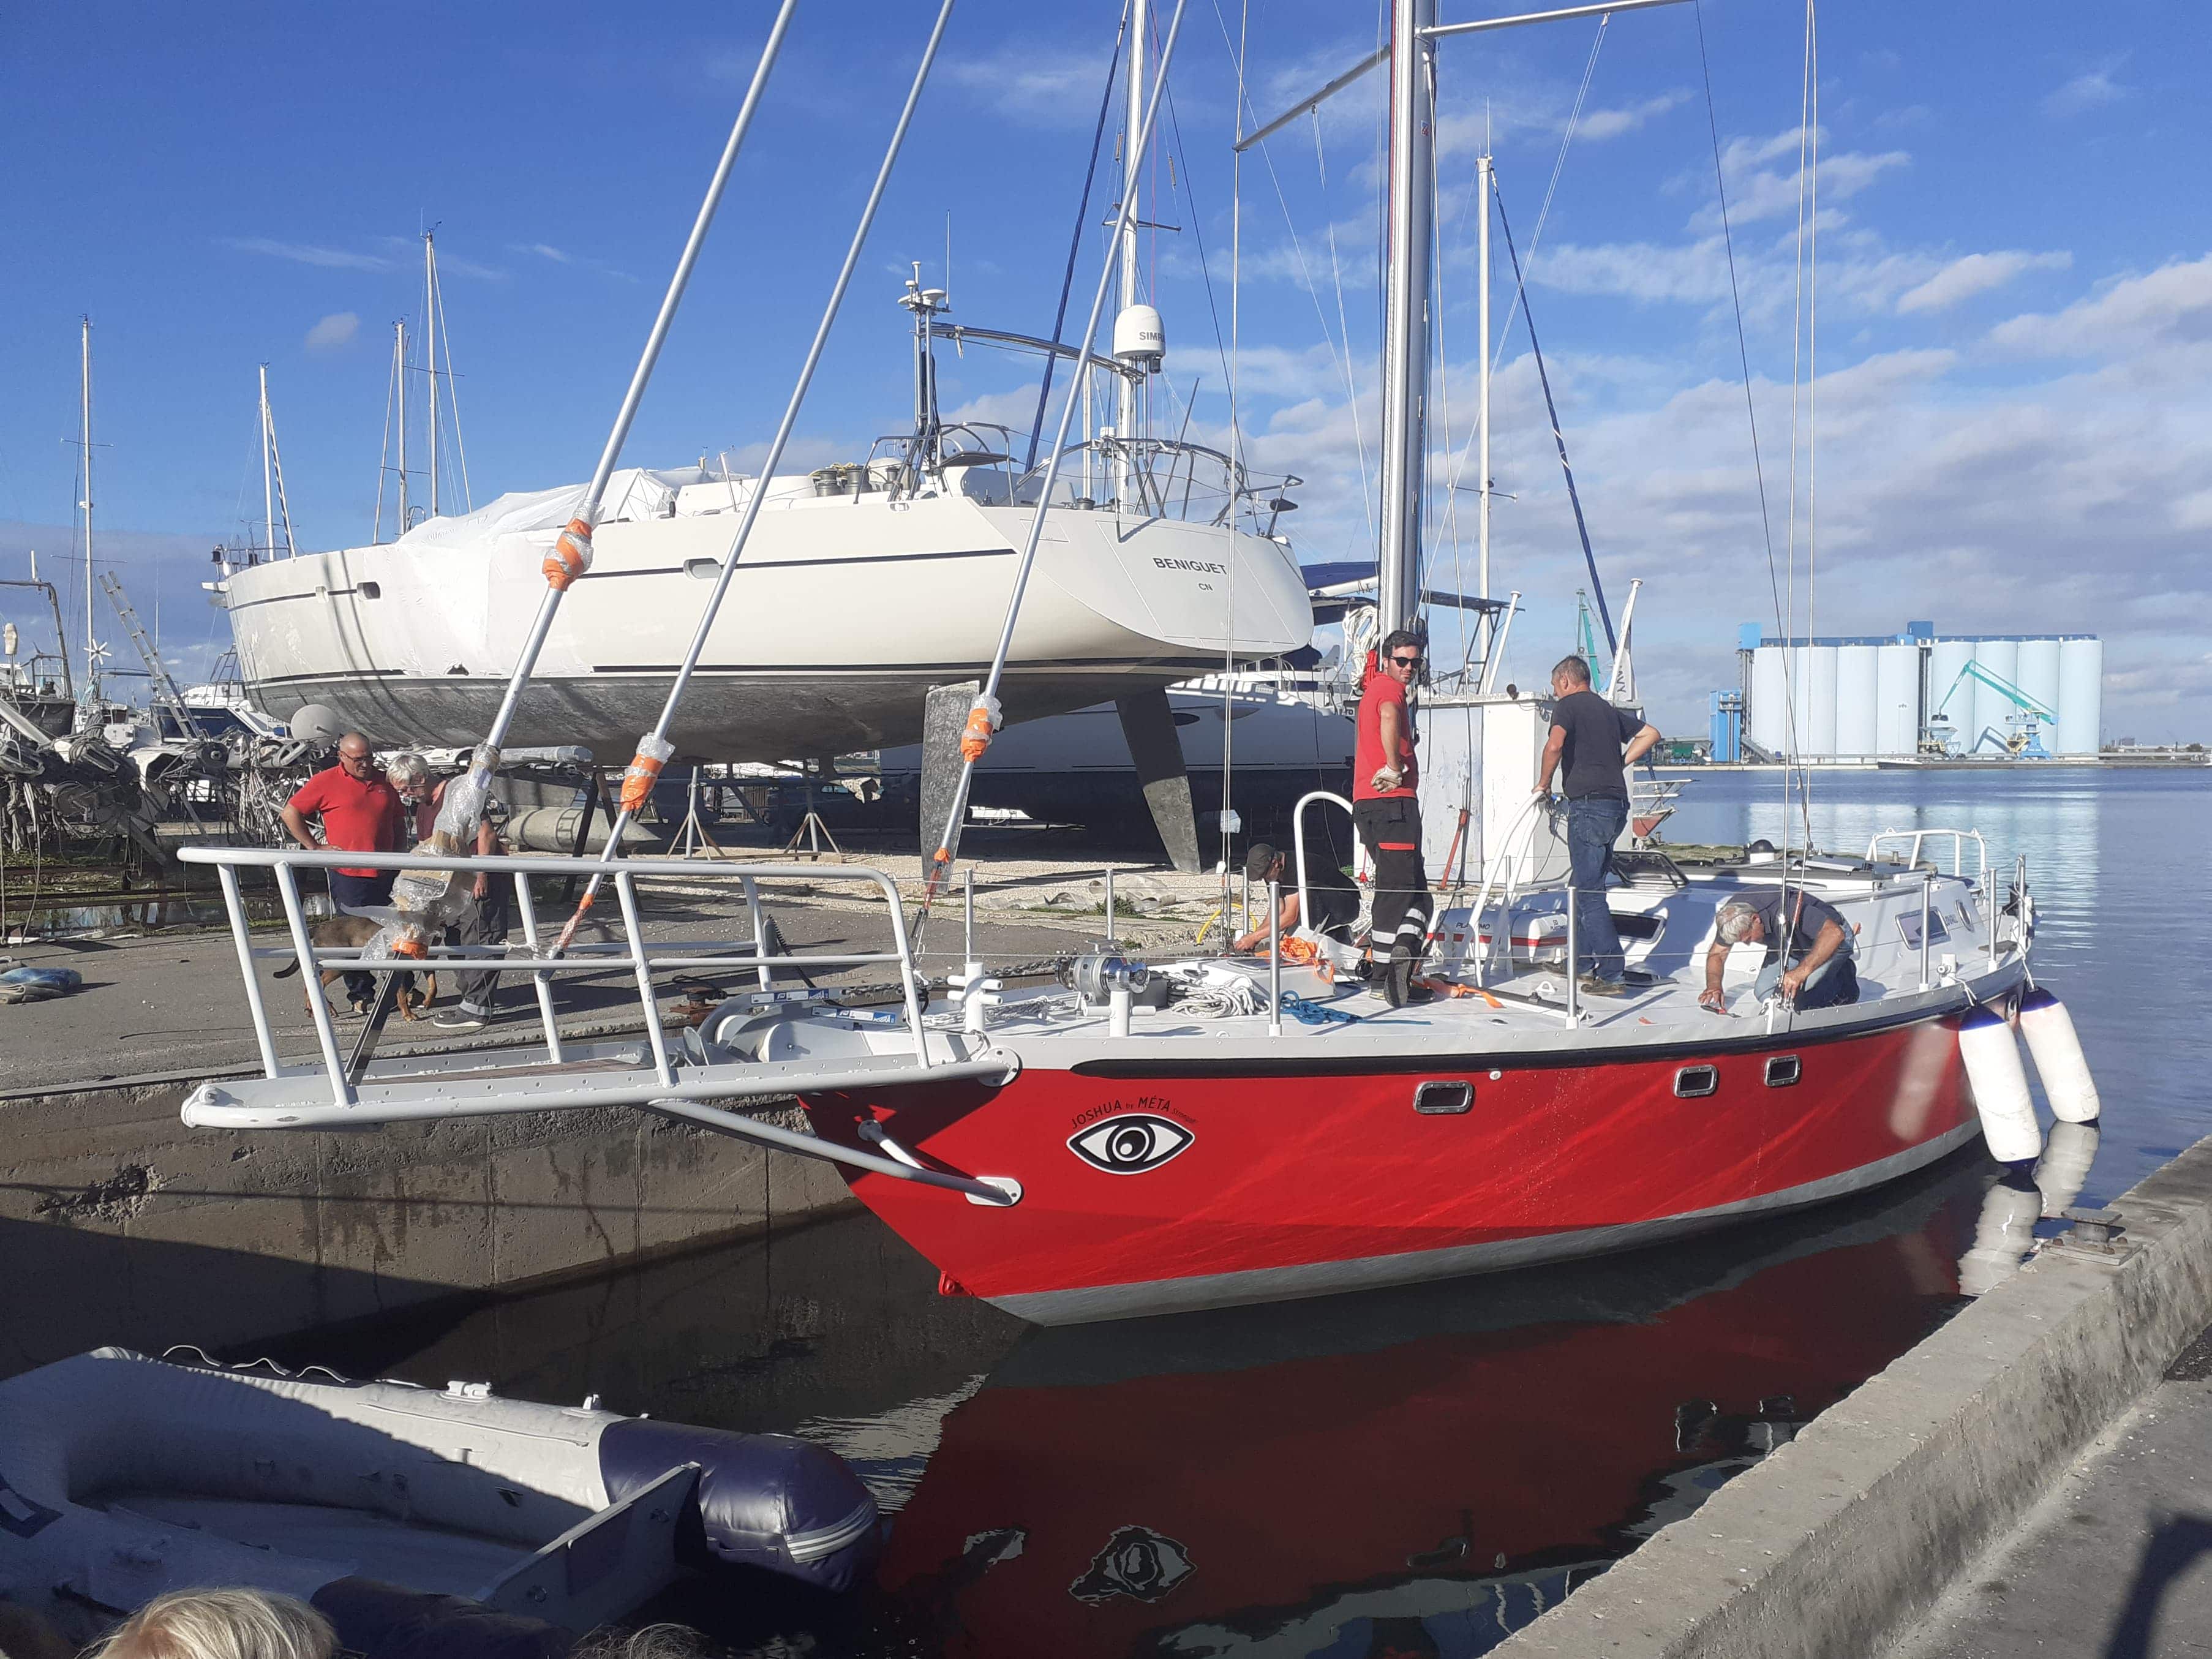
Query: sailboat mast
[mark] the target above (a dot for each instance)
(430, 357)
(1128, 410)
(1486, 180)
(400, 358)
(1406, 312)
(84, 443)
(268, 474)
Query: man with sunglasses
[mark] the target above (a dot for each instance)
(360, 813)
(1385, 777)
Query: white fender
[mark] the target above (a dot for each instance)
(2059, 1060)
(2067, 1157)
(2003, 1234)
(2000, 1082)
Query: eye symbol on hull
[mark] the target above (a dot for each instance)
(1130, 1145)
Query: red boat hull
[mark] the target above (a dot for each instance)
(1288, 1182)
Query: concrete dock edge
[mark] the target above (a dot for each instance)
(1837, 1542)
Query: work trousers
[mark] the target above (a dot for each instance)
(353, 896)
(1834, 983)
(1594, 824)
(1390, 829)
(485, 924)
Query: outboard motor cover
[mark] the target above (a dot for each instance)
(764, 1500)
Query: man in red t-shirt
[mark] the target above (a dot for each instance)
(1384, 777)
(360, 813)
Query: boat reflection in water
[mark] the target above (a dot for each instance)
(1411, 1472)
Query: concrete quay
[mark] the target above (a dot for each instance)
(1889, 1524)
(117, 1225)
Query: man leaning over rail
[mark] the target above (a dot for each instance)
(1822, 974)
(360, 813)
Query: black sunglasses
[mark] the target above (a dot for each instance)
(1407, 662)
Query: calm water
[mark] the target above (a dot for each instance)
(1409, 1472)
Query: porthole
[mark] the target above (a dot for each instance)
(1783, 1070)
(1696, 1082)
(369, 591)
(1444, 1099)
(702, 570)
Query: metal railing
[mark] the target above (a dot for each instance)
(1958, 838)
(633, 951)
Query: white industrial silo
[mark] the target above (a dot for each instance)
(2081, 697)
(2039, 678)
(1856, 709)
(1945, 659)
(1769, 725)
(1897, 700)
(1816, 732)
(1993, 710)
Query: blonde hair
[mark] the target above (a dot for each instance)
(222, 1624)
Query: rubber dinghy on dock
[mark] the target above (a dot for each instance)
(123, 1478)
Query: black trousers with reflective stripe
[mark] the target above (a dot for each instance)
(1390, 829)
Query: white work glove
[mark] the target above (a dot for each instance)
(1386, 779)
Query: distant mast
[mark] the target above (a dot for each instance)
(1128, 412)
(92, 649)
(430, 354)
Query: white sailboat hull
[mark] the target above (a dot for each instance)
(843, 612)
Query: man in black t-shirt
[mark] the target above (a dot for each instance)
(1820, 973)
(1596, 744)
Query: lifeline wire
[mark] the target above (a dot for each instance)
(986, 698)
(656, 743)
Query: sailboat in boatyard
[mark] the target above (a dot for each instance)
(863, 587)
(1147, 1137)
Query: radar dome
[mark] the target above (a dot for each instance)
(1139, 337)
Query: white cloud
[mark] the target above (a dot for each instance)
(1977, 273)
(558, 256)
(334, 331)
(1599, 124)
(2169, 307)
(2092, 89)
(543, 252)
(1758, 188)
(306, 254)
(1035, 85)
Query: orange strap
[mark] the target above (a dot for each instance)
(571, 556)
(414, 948)
(977, 737)
(638, 779)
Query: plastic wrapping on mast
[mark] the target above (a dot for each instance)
(984, 714)
(428, 901)
(654, 748)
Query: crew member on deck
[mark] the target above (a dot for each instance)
(1263, 864)
(1821, 973)
(1385, 777)
(1594, 744)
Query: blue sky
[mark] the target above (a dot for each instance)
(2015, 293)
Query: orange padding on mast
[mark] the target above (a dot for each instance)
(977, 738)
(571, 557)
(638, 780)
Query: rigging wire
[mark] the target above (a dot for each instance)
(1075, 242)
(1343, 327)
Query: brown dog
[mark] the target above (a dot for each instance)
(354, 934)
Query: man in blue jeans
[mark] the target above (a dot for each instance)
(1591, 746)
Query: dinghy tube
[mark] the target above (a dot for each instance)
(2000, 1081)
(123, 1478)
(2059, 1060)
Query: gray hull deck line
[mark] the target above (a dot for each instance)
(1837, 1542)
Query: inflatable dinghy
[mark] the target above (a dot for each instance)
(123, 1478)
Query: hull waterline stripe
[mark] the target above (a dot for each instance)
(806, 564)
(396, 676)
(1141, 1298)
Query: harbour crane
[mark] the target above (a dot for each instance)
(2025, 738)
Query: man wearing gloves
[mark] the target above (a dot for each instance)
(1385, 778)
